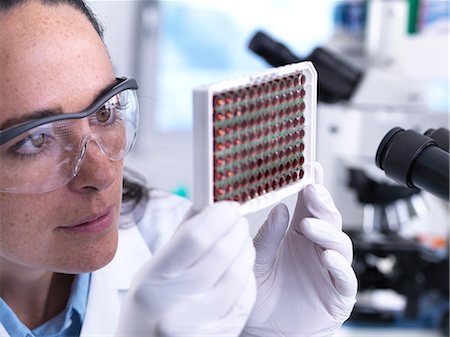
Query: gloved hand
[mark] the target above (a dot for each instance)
(201, 283)
(306, 286)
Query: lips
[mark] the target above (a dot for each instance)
(92, 224)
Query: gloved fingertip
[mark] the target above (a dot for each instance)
(329, 261)
(318, 190)
(343, 275)
(305, 226)
(279, 213)
(316, 194)
(318, 173)
(328, 257)
(333, 259)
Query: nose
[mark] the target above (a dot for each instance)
(93, 169)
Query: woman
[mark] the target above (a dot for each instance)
(65, 267)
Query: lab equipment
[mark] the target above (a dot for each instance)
(416, 160)
(387, 221)
(411, 273)
(338, 79)
(254, 137)
(386, 207)
(441, 136)
(403, 281)
(45, 151)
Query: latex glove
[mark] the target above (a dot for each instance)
(306, 286)
(201, 283)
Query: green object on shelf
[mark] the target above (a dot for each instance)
(414, 6)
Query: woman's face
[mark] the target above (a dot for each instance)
(52, 58)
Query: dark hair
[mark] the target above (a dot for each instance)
(77, 4)
(135, 196)
(135, 193)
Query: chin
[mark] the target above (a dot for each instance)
(99, 262)
(90, 258)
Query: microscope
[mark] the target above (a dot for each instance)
(420, 273)
(413, 271)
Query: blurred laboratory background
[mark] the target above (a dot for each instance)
(381, 64)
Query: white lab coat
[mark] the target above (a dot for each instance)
(110, 283)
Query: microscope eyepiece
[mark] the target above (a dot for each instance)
(414, 160)
(441, 136)
(337, 78)
(275, 53)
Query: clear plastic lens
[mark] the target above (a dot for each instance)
(49, 156)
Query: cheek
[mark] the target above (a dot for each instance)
(24, 226)
(21, 218)
(28, 236)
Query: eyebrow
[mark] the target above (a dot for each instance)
(30, 116)
(44, 112)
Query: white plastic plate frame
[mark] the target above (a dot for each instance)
(203, 152)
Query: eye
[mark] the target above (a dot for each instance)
(38, 140)
(33, 144)
(104, 114)
(110, 114)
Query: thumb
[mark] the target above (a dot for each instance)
(301, 208)
(269, 237)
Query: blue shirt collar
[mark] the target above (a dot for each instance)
(67, 323)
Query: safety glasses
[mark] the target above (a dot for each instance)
(44, 154)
